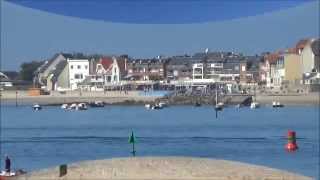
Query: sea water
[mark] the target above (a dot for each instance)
(53, 136)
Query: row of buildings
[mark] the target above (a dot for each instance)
(293, 66)
(297, 65)
(65, 72)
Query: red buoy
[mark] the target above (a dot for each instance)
(292, 144)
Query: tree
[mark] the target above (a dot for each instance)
(28, 69)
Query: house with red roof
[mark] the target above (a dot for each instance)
(111, 69)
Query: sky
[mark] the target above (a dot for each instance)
(36, 30)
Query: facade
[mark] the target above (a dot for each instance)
(269, 67)
(197, 71)
(111, 70)
(146, 69)
(48, 67)
(292, 65)
(306, 54)
(179, 68)
(78, 70)
(279, 71)
(313, 77)
(287, 70)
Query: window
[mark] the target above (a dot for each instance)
(71, 67)
(78, 76)
(79, 67)
(86, 66)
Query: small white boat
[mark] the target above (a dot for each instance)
(277, 104)
(219, 106)
(72, 106)
(162, 104)
(147, 106)
(156, 106)
(239, 105)
(82, 106)
(64, 106)
(254, 105)
(36, 107)
(97, 104)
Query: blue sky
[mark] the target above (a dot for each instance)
(35, 30)
(160, 11)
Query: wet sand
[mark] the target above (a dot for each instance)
(165, 168)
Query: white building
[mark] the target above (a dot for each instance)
(78, 71)
(279, 72)
(197, 71)
(110, 69)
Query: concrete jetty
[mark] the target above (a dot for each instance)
(174, 168)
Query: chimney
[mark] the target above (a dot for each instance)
(125, 64)
(91, 66)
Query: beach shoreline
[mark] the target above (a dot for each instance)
(138, 98)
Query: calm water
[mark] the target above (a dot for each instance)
(53, 136)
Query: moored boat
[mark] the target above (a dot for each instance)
(81, 106)
(72, 106)
(277, 104)
(64, 106)
(219, 106)
(36, 107)
(162, 104)
(97, 104)
(254, 105)
(147, 106)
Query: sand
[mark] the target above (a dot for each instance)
(165, 168)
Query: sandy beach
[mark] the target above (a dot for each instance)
(165, 168)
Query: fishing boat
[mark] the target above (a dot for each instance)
(97, 104)
(36, 107)
(276, 104)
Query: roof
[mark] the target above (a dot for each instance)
(106, 62)
(47, 63)
(273, 57)
(58, 70)
(302, 43)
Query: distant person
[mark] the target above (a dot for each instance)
(7, 164)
